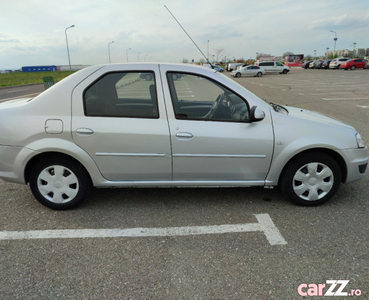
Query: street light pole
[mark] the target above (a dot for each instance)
(208, 50)
(66, 38)
(335, 39)
(138, 58)
(127, 53)
(109, 50)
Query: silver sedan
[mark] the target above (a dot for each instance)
(116, 126)
(249, 71)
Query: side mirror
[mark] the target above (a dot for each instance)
(256, 114)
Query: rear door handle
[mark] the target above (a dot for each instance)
(84, 131)
(184, 135)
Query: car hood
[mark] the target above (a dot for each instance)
(314, 116)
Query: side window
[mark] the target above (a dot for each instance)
(199, 98)
(279, 64)
(122, 94)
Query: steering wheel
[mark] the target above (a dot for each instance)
(215, 106)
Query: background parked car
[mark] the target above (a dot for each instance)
(336, 63)
(325, 64)
(318, 64)
(273, 66)
(306, 64)
(367, 65)
(234, 66)
(353, 64)
(249, 71)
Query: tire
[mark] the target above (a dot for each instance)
(259, 74)
(59, 183)
(285, 72)
(238, 75)
(353, 68)
(311, 179)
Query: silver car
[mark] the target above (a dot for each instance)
(107, 126)
(249, 71)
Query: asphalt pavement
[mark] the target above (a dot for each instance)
(23, 91)
(169, 243)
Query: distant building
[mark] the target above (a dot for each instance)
(39, 69)
(359, 52)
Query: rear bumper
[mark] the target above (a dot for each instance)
(12, 163)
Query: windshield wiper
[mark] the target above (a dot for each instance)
(277, 107)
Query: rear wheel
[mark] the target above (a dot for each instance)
(311, 179)
(59, 183)
(259, 74)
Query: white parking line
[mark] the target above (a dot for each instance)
(264, 224)
(338, 99)
(16, 91)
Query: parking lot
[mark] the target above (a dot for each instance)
(225, 243)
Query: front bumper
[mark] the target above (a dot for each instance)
(356, 162)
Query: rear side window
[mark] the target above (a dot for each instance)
(122, 94)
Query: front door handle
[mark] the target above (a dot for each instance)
(184, 135)
(84, 131)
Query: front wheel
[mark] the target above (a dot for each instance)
(353, 67)
(285, 71)
(238, 75)
(259, 74)
(311, 179)
(59, 183)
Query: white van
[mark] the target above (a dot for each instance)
(273, 66)
(234, 66)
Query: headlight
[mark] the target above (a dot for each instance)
(359, 140)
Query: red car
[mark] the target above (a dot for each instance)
(353, 64)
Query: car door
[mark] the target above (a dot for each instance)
(248, 71)
(211, 136)
(120, 121)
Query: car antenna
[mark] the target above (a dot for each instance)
(189, 37)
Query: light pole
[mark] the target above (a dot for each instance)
(138, 58)
(208, 50)
(327, 52)
(66, 38)
(335, 39)
(109, 50)
(127, 53)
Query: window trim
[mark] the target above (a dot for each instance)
(117, 116)
(171, 91)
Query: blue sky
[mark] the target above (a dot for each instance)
(32, 32)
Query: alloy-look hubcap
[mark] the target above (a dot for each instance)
(313, 181)
(58, 184)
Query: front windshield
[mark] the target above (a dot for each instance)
(230, 80)
(277, 107)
